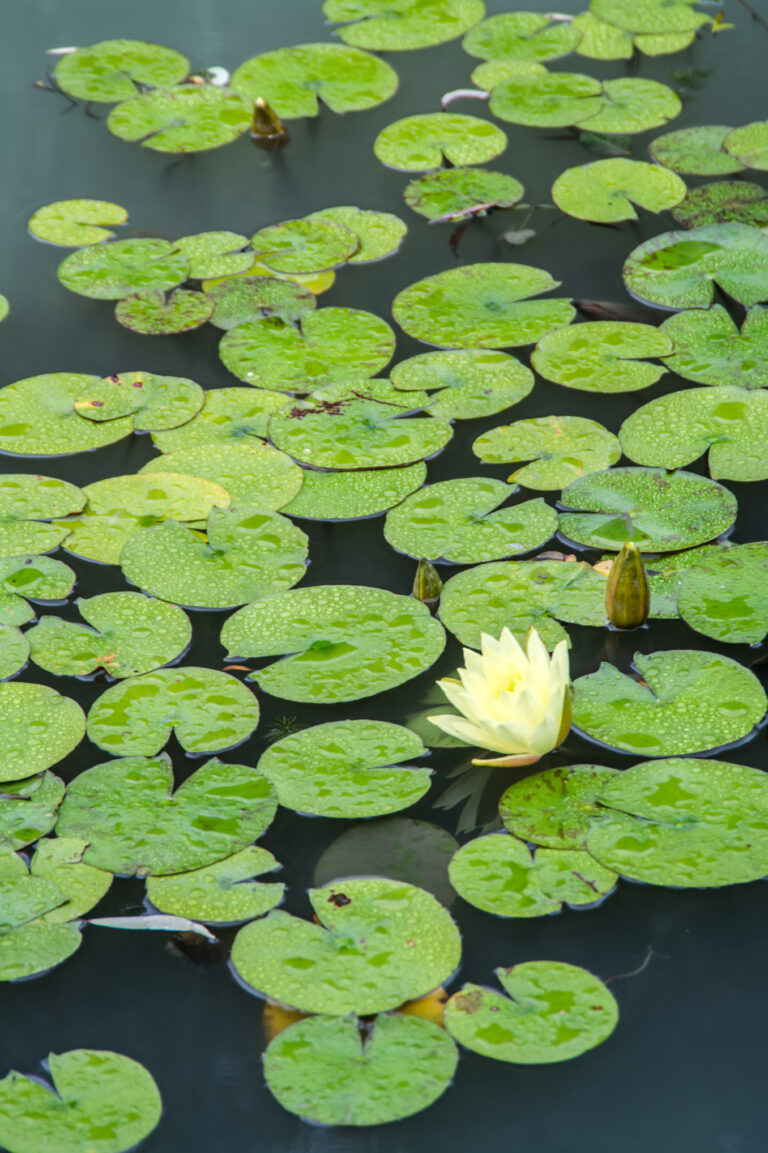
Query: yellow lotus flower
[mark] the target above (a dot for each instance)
(513, 702)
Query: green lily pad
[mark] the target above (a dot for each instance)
(207, 710)
(122, 505)
(501, 875)
(650, 17)
(294, 80)
(725, 595)
(397, 1068)
(14, 651)
(5, 307)
(397, 25)
(678, 428)
(369, 427)
(187, 118)
(134, 822)
(378, 943)
(560, 448)
(723, 201)
(228, 416)
(26, 501)
(521, 36)
(245, 553)
(38, 417)
(224, 893)
(632, 105)
(455, 521)
(119, 69)
(688, 702)
(552, 1012)
(301, 247)
(212, 254)
(707, 347)
(379, 234)
(458, 193)
(665, 575)
(555, 808)
(28, 809)
(605, 190)
(469, 383)
(130, 634)
(658, 512)
(354, 495)
(602, 356)
(749, 145)
(521, 594)
(602, 41)
(40, 578)
(60, 860)
(559, 99)
(329, 346)
(338, 642)
(99, 1101)
(252, 472)
(155, 314)
(679, 269)
(423, 142)
(74, 223)
(696, 151)
(121, 267)
(40, 727)
(481, 306)
(347, 769)
(155, 402)
(239, 299)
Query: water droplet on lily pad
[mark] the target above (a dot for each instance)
(155, 402)
(749, 144)
(602, 356)
(38, 578)
(40, 727)
(423, 142)
(521, 36)
(155, 314)
(224, 893)
(38, 417)
(252, 472)
(27, 502)
(73, 223)
(304, 246)
(379, 234)
(707, 347)
(696, 151)
(234, 415)
(722, 202)
(354, 495)
(213, 254)
(560, 449)
(391, 26)
(650, 17)
(465, 384)
(725, 594)
(122, 267)
(28, 809)
(114, 70)
(555, 808)
(187, 118)
(452, 194)
(605, 190)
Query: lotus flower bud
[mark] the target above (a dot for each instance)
(627, 595)
(427, 584)
(267, 129)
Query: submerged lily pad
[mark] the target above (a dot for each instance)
(658, 512)
(207, 710)
(228, 416)
(294, 80)
(521, 36)
(39, 578)
(28, 809)
(252, 472)
(555, 808)
(38, 417)
(458, 193)
(455, 521)
(155, 402)
(304, 246)
(560, 99)
(725, 595)
(224, 893)
(379, 234)
(73, 223)
(213, 254)
(707, 347)
(687, 702)
(602, 356)
(187, 118)
(378, 943)
(347, 769)
(676, 429)
(343, 642)
(155, 314)
(423, 142)
(329, 346)
(605, 190)
(552, 1012)
(723, 201)
(121, 267)
(129, 634)
(481, 306)
(354, 495)
(749, 144)
(400, 1066)
(134, 822)
(560, 448)
(696, 151)
(393, 26)
(239, 299)
(470, 383)
(40, 727)
(119, 69)
(26, 502)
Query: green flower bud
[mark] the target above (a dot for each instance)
(627, 595)
(427, 585)
(267, 129)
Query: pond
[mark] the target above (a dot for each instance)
(682, 1071)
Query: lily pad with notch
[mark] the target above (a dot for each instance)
(603, 41)
(521, 36)
(722, 202)
(252, 472)
(28, 943)
(452, 194)
(14, 651)
(38, 417)
(238, 300)
(113, 70)
(224, 893)
(152, 313)
(27, 502)
(560, 448)
(187, 118)
(28, 809)
(465, 384)
(214, 254)
(155, 402)
(74, 223)
(555, 808)
(561, 99)
(304, 246)
(424, 142)
(650, 17)
(40, 727)
(379, 234)
(228, 416)
(725, 595)
(606, 190)
(602, 356)
(122, 267)
(354, 495)
(749, 145)
(707, 347)
(36, 578)
(696, 151)
(394, 26)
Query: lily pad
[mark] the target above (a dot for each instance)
(395, 25)
(455, 521)
(469, 383)
(678, 428)
(492, 72)
(329, 346)
(135, 823)
(187, 118)
(294, 80)
(458, 193)
(155, 314)
(5, 307)
(723, 201)
(725, 596)
(39, 578)
(707, 347)
(602, 41)
(338, 642)
(28, 809)
(481, 306)
(224, 893)
(555, 808)
(74, 223)
(605, 190)
(119, 69)
(28, 943)
(379, 234)
(347, 769)
(304, 246)
(38, 417)
(60, 860)
(559, 99)
(520, 594)
(354, 495)
(501, 875)
(251, 472)
(40, 727)
(378, 943)
(552, 1012)
(399, 1067)
(560, 448)
(100, 1101)
(245, 553)
(14, 651)
(679, 269)
(425, 141)
(212, 254)
(696, 151)
(686, 702)
(370, 426)
(155, 402)
(26, 502)
(239, 299)
(207, 710)
(749, 145)
(121, 267)
(602, 356)
(228, 416)
(130, 634)
(658, 512)
(650, 17)
(521, 36)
